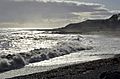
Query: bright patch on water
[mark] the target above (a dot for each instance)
(16, 41)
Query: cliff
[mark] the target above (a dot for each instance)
(110, 24)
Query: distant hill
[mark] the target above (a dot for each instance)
(110, 24)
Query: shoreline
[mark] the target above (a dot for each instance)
(87, 70)
(102, 48)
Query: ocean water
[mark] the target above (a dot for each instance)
(17, 40)
(20, 47)
(14, 41)
(30, 46)
(65, 49)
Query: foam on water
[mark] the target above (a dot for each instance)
(16, 41)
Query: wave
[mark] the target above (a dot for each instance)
(47, 46)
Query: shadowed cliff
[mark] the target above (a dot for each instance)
(110, 24)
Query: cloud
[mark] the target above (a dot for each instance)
(46, 11)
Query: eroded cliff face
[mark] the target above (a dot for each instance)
(110, 24)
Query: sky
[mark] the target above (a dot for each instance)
(53, 13)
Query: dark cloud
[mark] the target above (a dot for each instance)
(54, 11)
(26, 10)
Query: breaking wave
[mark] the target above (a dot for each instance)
(24, 47)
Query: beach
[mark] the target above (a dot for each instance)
(104, 48)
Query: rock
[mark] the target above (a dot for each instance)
(110, 75)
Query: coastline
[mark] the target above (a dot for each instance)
(87, 70)
(103, 47)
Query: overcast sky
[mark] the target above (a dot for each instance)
(53, 13)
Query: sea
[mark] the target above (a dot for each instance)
(24, 40)
(58, 49)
